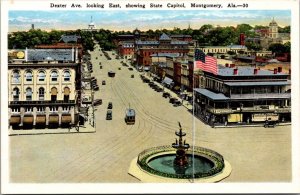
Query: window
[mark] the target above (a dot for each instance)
(16, 93)
(67, 75)
(15, 109)
(41, 76)
(28, 94)
(53, 108)
(16, 76)
(41, 93)
(28, 76)
(28, 109)
(54, 75)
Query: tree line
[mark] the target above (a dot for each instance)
(207, 35)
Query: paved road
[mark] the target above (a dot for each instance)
(256, 154)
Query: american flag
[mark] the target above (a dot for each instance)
(205, 63)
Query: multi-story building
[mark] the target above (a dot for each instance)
(42, 89)
(144, 49)
(243, 95)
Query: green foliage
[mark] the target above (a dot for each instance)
(253, 46)
(280, 48)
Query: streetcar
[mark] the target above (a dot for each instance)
(130, 116)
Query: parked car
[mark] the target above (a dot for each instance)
(166, 95)
(177, 103)
(159, 89)
(110, 105)
(130, 68)
(109, 115)
(119, 68)
(132, 76)
(97, 102)
(172, 100)
(96, 88)
(103, 83)
(270, 123)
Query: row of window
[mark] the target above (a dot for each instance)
(41, 92)
(41, 109)
(41, 76)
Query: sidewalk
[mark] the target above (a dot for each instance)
(80, 129)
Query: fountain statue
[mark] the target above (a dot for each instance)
(181, 158)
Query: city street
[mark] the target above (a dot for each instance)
(256, 154)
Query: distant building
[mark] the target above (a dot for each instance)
(144, 49)
(243, 95)
(42, 89)
(223, 49)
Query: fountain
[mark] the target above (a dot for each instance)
(176, 163)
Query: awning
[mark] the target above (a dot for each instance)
(40, 119)
(15, 120)
(28, 119)
(53, 118)
(66, 118)
(266, 83)
(167, 81)
(210, 94)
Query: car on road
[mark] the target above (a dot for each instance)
(166, 95)
(119, 68)
(109, 115)
(111, 74)
(177, 103)
(110, 105)
(270, 123)
(132, 76)
(172, 100)
(130, 68)
(100, 67)
(103, 83)
(159, 89)
(95, 87)
(97, 102)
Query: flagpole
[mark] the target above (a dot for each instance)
(193, 107)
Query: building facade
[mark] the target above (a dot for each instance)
(42, 89)
(243, 95)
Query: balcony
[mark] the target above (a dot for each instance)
(220, 110)
(261, 96)
(41, 103)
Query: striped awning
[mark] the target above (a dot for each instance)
(28, 119)
(66, 118)
(15, 120)
(53, 118)
(40, 119)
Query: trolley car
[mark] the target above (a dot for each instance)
(130, 116)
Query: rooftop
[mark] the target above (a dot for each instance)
(164, 36)
(165, 55)
(69, 38)
(245, 71)
(50, 55)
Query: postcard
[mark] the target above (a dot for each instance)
(150, 96)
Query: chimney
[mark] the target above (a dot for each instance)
(255, 71)
(235, 71)
(275, 70)
(279, 69)
(227, 65)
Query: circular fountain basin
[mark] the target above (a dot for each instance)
(165, 164)
(157, 165)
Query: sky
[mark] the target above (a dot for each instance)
(143, 20)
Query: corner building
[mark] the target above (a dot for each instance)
(243, 95)
(42, 89)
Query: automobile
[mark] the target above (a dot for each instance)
(110, 105)
(96, 58)
(132, 76)
(96, 88)
(97, 102)
(270, 123)
(100, 67)
(159, 89)
(111, 74)
(99, 63)
(172, 100)
(109, 115)
(103, 83)
(130, 68)
(119, 68)
(177, 103)
(166, 95)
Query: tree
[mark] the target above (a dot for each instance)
(278, 48)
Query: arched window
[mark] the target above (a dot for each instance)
(28, 94)
(41, 93)
(66, 94)
(54, 75)
(28, 76)
(53, 94)
(16, 93)
(67, 75)
(16, 76)
(41, 76)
